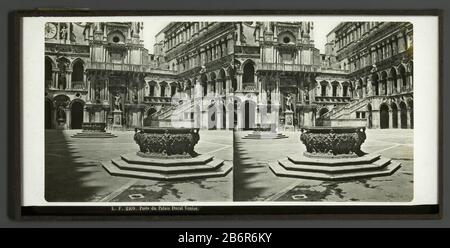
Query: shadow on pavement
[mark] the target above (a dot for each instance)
(66, 179)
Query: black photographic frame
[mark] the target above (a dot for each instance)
(17, 211)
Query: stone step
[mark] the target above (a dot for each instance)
(378, 164)
(268, 138)
(279, 170)
(89, 135)
(133, 158)
(211, 165)
(94, 135)
(366, 159)
(116, 171)
(265, 136)
(86, 132)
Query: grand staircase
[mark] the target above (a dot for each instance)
(175, 110)
(346, 110)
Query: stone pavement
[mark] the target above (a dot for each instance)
(73, 172)
(254, 181)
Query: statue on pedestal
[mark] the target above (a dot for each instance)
(117, 102)
(288, 103)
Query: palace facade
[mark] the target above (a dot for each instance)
(226, 75)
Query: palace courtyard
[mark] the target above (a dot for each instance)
(254, 181)
(73, 171)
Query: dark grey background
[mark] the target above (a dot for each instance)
(7, 7)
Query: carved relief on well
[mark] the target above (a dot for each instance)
(333, 142)
(165, 142)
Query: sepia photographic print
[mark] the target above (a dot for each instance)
(233, 111)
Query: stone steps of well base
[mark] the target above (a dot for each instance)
(265, 136)
(219, 172)
(378, 164)
(366, 159)
(279, 170)
(211, 165)
(133, 158)
(94, 135)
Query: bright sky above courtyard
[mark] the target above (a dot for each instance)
(321, 29)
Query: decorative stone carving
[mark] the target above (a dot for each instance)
(162, 142)
(94, 126)
(333, 141)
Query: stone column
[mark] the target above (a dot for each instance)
(69, 80)
(238, 31)
(391, 119)
(227, 84)
(240, 116)
(312, 96)
(219, 116)
(408, 118)
(399, 119)
(54, 116)
(369, 87)
(399, 84)
(97, 115)
(85, 114)
(375, 119)
(54, 79)
(388, 86)
(277, 90)
(68, 125)
(106, 89)
(229, 118)
(239, 80)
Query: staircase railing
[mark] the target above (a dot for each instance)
(350, 108)
(175, 110)
(346, 109)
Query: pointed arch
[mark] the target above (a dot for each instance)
(249, 114)
(323, 111)
(151, 88)
(248, 69)
(384, 116)
(222, 77)
(394, 111)
(76, 113)
(204, 84)
(49, 66)
(375, 84)
(63, 66)
(173, 88)
(163, 86)
(335, 86)
(393, 78)
(346, 88)
(403, 115)
(383, 83)
(324, 88)
(78, 74)
(402, 76)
